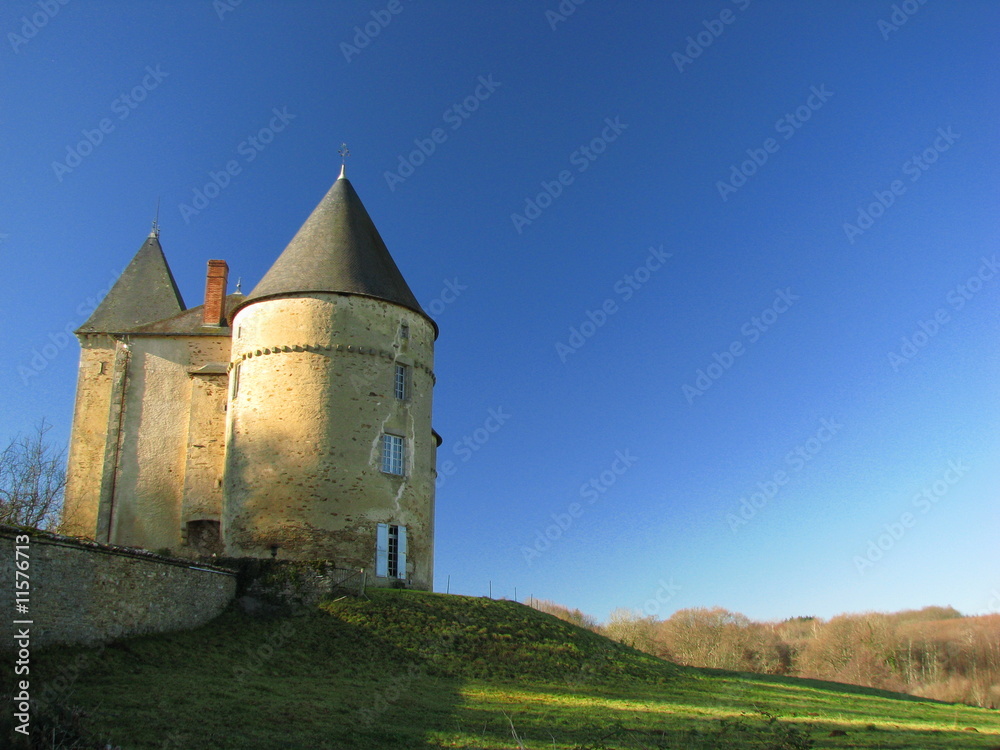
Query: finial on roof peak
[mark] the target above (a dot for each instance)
(344, 153)
(239, 284)
(154, 232)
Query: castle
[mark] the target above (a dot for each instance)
(292, 422)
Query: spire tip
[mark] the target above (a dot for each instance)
(154, 232)
(344, 153)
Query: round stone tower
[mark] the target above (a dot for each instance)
(330, 453)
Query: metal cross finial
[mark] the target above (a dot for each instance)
(155, 231)
(344, 153)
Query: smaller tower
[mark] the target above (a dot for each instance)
(147, 447)
(145, 292)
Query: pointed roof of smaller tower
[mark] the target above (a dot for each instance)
(144, 293)
(338, 249)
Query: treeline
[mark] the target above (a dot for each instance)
(934, 652)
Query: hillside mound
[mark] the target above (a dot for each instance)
(463, 636)
(406, 669)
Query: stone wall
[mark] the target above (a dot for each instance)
(88, 593)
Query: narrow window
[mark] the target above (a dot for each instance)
(393, 458)
(390, 551)
(404, 331)
(234, 381)
(401, 382)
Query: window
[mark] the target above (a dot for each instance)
(390, 551)
(404, 331)
(393, 458)
(234, 381)
(402, 377)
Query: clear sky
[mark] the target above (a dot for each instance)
(680, 253)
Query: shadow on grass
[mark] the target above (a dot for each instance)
(314, 680)
(825, 685)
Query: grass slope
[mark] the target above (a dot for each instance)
(414, 670)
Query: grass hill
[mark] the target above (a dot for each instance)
(415, 670)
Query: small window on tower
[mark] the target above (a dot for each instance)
(234, 381)
(404, 331)
(393, 457)
(402, 382)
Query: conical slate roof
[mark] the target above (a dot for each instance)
(145, 292)
(338, 249)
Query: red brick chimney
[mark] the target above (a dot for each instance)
(215, 293)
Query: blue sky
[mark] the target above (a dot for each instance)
(679, 254)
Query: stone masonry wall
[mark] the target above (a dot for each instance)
(88, 593)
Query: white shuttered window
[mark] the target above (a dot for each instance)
(390, 551)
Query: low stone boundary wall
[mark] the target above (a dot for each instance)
(82, 592)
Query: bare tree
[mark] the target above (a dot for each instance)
(631, 628)
(574, 616)
(32, 480)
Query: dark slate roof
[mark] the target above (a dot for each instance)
(189, 323)
(338, 249)
(146, 291)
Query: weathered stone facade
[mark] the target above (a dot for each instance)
(256, 426)
(89, 594)
(313, 395)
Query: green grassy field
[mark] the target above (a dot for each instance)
(415, 670)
